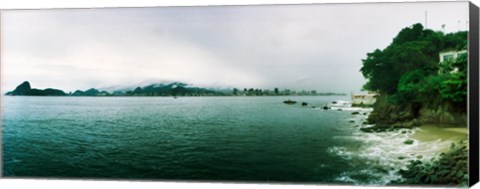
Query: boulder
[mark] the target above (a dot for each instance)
(409, 141)
(377, 128)
(289, 101)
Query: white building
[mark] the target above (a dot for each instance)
(364, 99)
(446, 58)
(450, 55)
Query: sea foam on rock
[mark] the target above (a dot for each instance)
(386, 152)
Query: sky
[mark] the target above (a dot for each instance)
(312, 47)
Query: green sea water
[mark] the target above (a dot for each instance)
(257, 139)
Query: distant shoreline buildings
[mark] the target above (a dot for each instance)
(284, 92)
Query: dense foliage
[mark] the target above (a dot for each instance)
(409, 76)
(409, 71)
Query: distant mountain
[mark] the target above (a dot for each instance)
(172, 89)
(91, 92)
(24, 89)
(162, 89)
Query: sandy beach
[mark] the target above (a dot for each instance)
(436, 140)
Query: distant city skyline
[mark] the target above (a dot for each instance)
(297, 47)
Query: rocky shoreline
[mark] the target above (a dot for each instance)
(402, 153)
(403, 149)
(433, 154)
(449, 168)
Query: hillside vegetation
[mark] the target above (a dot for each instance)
(414, 87)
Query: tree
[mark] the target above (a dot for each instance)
(453, 86)
(413, 48)
(408, 70)
(235, 91)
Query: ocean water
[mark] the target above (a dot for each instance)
(194, 138)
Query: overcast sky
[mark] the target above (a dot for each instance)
(287, 46)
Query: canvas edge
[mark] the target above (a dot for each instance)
(473, 85)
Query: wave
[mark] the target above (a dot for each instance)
(346, 106)
(380, 155)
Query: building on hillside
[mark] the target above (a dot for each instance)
(450, 55)
(446, 58)
(364, 99)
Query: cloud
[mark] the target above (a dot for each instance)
(288, 46)
(117, 54)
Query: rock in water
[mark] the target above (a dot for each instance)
(304, 104)
(409, 141)
(289, 101)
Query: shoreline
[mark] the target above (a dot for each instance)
(443, 137)
(393, 150)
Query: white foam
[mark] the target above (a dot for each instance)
(386, 150)
(345, 178)
(346, 106)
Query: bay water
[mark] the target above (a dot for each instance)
(257, 139)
